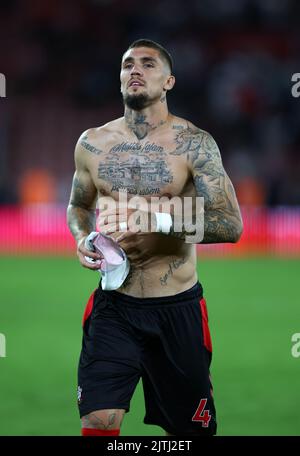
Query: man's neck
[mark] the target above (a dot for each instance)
(141, 123)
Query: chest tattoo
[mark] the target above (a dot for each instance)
(138, 168)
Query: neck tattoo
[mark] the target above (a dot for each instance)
(140, 126)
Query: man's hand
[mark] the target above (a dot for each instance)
(130, 227)
(126, 221)
(83, 252)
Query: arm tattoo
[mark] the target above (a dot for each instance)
(81, 217)
(188, 142)
(222, 219)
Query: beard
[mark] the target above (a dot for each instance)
(136, 102)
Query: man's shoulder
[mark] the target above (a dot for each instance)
(94, 140)
(187, 127)
(100, 133)
(193, 142)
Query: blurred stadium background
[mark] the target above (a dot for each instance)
(234, 60)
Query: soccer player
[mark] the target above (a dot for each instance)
(155, 325)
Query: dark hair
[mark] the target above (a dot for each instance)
(164, 54)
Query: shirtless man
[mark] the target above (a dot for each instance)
(154, 326)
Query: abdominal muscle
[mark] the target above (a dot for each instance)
(170, 267)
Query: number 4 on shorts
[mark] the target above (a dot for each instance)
(201, 414)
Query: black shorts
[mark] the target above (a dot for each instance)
(166, 342)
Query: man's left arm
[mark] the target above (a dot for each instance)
(222, 217)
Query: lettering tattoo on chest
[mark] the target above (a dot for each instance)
(175, 264)
(139, 168)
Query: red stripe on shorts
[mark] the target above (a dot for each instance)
(205, 328)
(88, 308)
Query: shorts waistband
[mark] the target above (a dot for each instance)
(195, 292)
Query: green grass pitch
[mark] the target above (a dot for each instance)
(254, 308)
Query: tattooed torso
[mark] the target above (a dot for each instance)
(153, 162)
(143, 167)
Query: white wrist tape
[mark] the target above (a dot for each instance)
(163, 222)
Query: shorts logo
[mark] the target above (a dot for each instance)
(202, 415)
(79, 392)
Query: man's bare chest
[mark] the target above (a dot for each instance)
(145, 168)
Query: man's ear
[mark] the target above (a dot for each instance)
(169, 84)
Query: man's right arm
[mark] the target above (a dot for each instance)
(81, 214)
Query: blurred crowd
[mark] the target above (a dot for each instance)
(234, 60)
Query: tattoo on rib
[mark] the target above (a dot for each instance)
(139, 126)
(89, 147)
(175, 264)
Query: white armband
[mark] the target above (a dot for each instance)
(163, 222)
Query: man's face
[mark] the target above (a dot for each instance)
(144, 77)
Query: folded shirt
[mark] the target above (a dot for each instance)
(114, 266)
